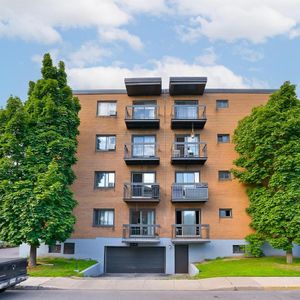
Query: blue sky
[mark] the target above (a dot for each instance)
(236, 44)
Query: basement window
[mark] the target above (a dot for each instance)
(54, 248)
(238, 249)
(69, 248)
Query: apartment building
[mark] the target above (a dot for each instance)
(154, 187)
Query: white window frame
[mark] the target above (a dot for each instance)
(110, 143)
(109, 108)
(109, 179)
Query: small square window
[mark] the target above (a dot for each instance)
(69, 248)
(104, 179)
(104, 217)
(238, 249)
(54, 248)
(224, 175)
(106, 142)
(223, 138)
(222, 103)
(225, 213)
(107, 108)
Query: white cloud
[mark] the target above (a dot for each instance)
(88, 53)
(248, 53)
(113, 76)
(116, 34)
(230, 20)
(209, 57)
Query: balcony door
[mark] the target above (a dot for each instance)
(186, 110)
(142, 184)
(185, 186)
(144, 110)
(187, 146)
(143, 146)
(145, 219)
(188, 219)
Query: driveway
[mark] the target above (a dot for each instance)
(9, 252)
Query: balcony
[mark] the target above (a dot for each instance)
(189, 153)
(142, 116)
(141, 192)
(184, 233)
(189, 192)
(141, 154)
(188, 116)
(141, 233)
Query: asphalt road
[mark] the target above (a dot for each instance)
(148, 295)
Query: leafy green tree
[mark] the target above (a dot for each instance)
(37, 150)
(268, 144)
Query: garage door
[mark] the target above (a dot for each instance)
(135, 260)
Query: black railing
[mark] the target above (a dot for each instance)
(141, 231)
(135, 191)
(189, 150)
(196, 231)
(188, 112)
(140, 150)
(141, 112)
(189, 192)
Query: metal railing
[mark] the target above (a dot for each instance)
(140, 231)
(141, 112)
(140, 150)
(189, 191)
(196, 231)
(141, 190)
(188, 112)
(189, 150)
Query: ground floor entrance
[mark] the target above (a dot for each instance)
(181, 259)
(135, 259)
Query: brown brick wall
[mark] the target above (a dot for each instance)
(227, 194)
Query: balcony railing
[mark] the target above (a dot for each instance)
(139, 192)
(189, 192)
(196, 231)
(188, 116)
(141, 231)
(142, 116)
(189, 153)
(141, 153)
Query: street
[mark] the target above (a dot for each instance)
(145, 295)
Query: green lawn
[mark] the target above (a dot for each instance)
(59, 267)
(264, 266)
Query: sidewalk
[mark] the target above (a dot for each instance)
(142, 284)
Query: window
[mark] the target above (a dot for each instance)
(105, 143)
(144, 110)
(225, 213)
(107, 108)
(104, 179)
(187, 177)
(54, 248)
(69, 248)
(223, 138)
(224, 175)
(186, 109)
(222, 103)
(143, 146)
(186, 146)
(103, 217)
(238, 249)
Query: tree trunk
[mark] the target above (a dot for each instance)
(32, 257)
(289, 256)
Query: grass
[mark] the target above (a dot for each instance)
(59, 267)
(252, 267)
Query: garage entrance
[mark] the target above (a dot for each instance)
(135, 259)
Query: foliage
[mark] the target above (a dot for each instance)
(37, 150)
(248, 267)
(254, 246)
(268, 144)
(59, 267)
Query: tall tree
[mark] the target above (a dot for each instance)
(268, 144)
(37, 150)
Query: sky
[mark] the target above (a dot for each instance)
(236, 44)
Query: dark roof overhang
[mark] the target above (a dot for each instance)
(187, 85)
(143, 86)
